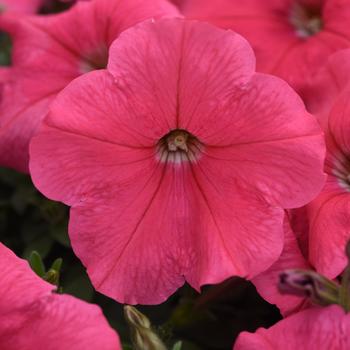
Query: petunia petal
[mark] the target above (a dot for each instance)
(34, 317)
(57, 322)
(240, 234)
(190, 56)
(312, 329)
(18, 283)
(329, 229)
(267, 282)
(20, 6)
(326, 86)
(269, 137)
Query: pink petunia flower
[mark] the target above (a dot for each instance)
(177, 161)
(291, 38)
(329, 213)
(313, 329)
(267, 282)
(34, 317)
(51, 51)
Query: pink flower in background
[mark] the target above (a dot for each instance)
(267, 282)
(177, 161)
(49, 52)
(35, 317)
(22, 6)
(313, 329)
(327, 85)
(291, 38)
(329, 213)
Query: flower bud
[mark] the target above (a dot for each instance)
(142, 335)
(305, 283)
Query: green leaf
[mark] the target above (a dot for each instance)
(127, 346)
(36, 263)
(52, 276)
(56, 265)
(177, 345)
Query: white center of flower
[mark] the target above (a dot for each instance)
(341, 170)
(178, 146)
(307, 21)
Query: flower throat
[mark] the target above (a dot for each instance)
(306, 20)
(179, 145)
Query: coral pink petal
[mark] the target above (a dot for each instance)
(303, 59)
(34, 317)
(184, 63)
(263, 133)
(339, 122)
(234, 221)
(326, 86)
(312, 329)
(138, 244)
(21, 6)
(114, 143)
(299, 222)
(18, 283)
(17, 124)
(267, 282)
(57, 322)
(329, 229)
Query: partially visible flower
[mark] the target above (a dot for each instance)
(321, 93)
(142, 335)
(49, 52)
(329, 213)
(309, 284)
(33, 316)
(177, 161)
(313, 329)
(267, 282)
(291, 38)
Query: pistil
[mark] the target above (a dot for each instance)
(179, 145)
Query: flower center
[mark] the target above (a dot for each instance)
(178, 146)
(306, 20)
(95, 60)
(341, 169)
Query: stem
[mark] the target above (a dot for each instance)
(344, 291)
